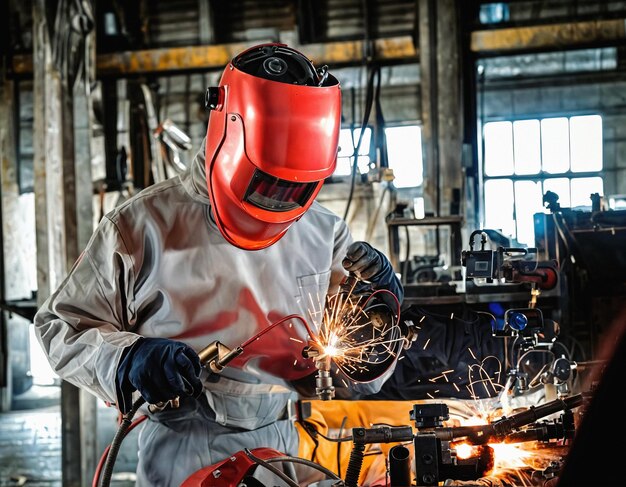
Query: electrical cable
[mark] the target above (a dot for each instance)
(306, 462)
(407, 256)
(99, 467)
(114, 448)
(271, 468)
(327, 438)
(369, 98)
(312, 432)
(275, 324)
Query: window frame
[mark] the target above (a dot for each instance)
(542, 175)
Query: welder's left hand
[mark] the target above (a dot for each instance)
(363, 260)
(369, 264)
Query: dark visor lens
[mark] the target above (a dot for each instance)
(275, 194)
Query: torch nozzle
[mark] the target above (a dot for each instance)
(216, 356)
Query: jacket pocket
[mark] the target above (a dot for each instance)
(312, 291)
(248, 406)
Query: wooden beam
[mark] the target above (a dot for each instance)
(203, 58)
(548, 37)
(484, 42)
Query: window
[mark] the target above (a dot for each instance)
(404, 152)
(524, 159)
(493, 13)
(348, 139)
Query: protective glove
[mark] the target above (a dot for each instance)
(160, 369)
(371, 265)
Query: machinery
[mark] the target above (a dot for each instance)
(530, 332)
(431, 451)
(435, 456)
(433, 447)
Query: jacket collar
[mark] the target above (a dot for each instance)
(194, 179)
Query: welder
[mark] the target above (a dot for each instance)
(234, 244)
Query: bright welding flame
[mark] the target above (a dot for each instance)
(511, 456)
(355, 339)
(331, 349)
(511, 460)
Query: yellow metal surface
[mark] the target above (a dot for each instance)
(351, 52)
(217, 56)
(172, 59)
(548, 36)
(338, 417)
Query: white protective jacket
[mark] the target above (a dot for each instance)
(157, 266)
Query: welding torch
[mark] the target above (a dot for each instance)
(215, 356)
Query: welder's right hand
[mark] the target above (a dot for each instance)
(160, 369)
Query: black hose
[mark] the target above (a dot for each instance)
(354, 465)
(127, 420)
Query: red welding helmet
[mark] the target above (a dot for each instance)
(271, 141)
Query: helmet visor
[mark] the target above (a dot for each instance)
(274, 194)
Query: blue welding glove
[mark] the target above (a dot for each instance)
(371, 265)
(160, 369)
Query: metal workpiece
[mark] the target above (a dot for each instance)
(324, 387)
(501, 428)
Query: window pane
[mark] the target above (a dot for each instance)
(527, 202)
(346, 150)
(404, 148)
(559, 186)
(555, 144)
(582, 188)
(527, 149)
(498, 149)
(492, 13)
(499, 206)
(586, 143)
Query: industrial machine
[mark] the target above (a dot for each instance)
(424, 455)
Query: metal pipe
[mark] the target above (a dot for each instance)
(399, 466)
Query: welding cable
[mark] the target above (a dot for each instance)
(274, 325)
(312, 432)
(369, 100)
(308, 425)
(271, 468)
(96, 477)
(393, 296)
(304, 461)
(114, 448)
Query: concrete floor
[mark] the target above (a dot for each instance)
(30, 442)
